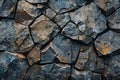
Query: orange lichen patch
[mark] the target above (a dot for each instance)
(104, 48)
(62, 59)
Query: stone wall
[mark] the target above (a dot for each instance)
(59, 39)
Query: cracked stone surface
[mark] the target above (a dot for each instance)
(108, 43)
(7, 10)
(108, 5)
(14, 37)
(43, 30)
(114, 20)
(59, 39)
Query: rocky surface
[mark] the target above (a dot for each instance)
(59, 39)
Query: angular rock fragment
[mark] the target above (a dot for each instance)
(16, 70)
(65, 5)
(37, 1)
(26, 12)
(108, 43)
(14, 37)
(90, 20)
(72, 31)
(34, 55)
(114, 20)
(49, 72)
(12, 65)
(43, 30)
(113, 68)
(61, 48)
(50, 13)
(62, 19)
(108, 4)
(7, 8)
(85, 75)
(82, 60)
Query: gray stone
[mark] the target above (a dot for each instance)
(85, 75)
(108, 4)
(113, 67)
(37, 1)
(7, 8)
(114, 20)
(26, 12)
(50, 13)
(14, 37)
(72, 31)
(90, 20)
(61, 48)
(65, 5)
(108, 43)
(62, 19)
(34, 55)
(49, 72)
(43, 30)
(12, 65)
(16, 70)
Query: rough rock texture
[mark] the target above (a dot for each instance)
(59, 39)
(7, 8)
(14, 37)
(108, 43)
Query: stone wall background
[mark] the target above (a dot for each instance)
(59, 39)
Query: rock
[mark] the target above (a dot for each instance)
(85, 75)
(62, 19)
(113, 68)
(12, 65)
(26, 12)
(82, 60)
(107, 5)
(49, 72)
(43, 30)
(65, 5)
(50, 13)
(90, 20)
(33, 73)
(34, 55)
(108, 43)
(47, 54)
(7, 8)
(72, 31)
(37, 1)
(114, 20)
(15, 35)
(56, 49)
(16, 70)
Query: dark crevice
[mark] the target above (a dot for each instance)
(16, 6)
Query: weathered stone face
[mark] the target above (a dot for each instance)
(34, 55)
(65, 5)
(108, 4)
(49, 71)
(56, 50)
(43, 30)
(114, 20)
(7, 8)
(59, 39)
(26, 12)
(108, 43)
(12, 65)
(89, 19)
(14, 37)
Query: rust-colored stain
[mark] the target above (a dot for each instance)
(105, 48)
(63, 59)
